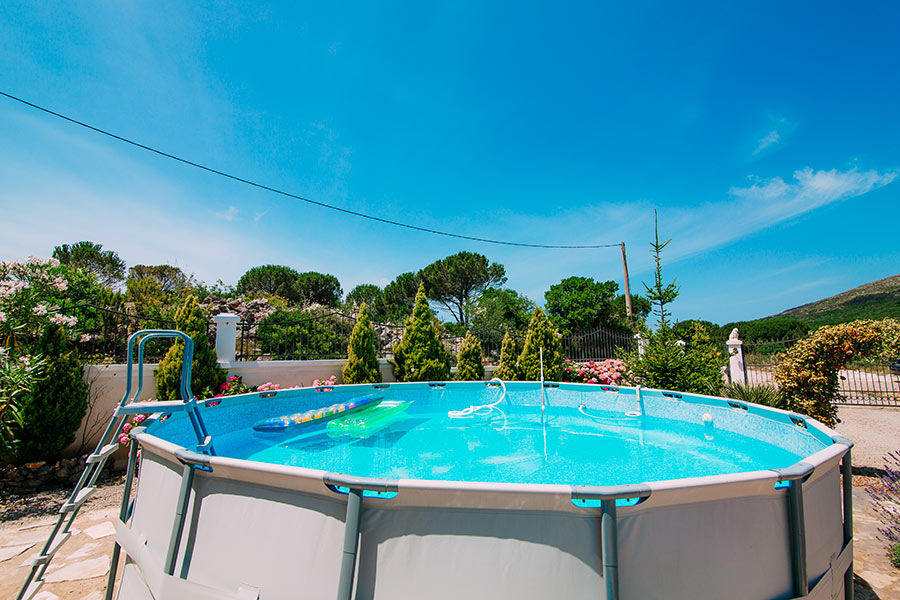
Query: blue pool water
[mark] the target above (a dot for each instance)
(587, 437)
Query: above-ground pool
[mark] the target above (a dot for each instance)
(487, 490)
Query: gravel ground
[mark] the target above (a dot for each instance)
(874, 431)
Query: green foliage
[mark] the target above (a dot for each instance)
(660, 294)
(318, 288)
(364, 293)
(507, 370)
(580, 304)
(170, 279)
(541, 335)
(669, 363)
(640, 309)
(362, 358)
(18, 375)
(778, 328)
(420, 356)
(459, 279)
(682, 330)
(269, 279)
(895, 554)
(496, 312)
(105, 265)
(807, 373)
(304, 289)
(302, 335)
(468, 363)
(52, 411)
(766, 395)
(397, 298)
(205, 373)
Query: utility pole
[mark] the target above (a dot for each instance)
(628, 311)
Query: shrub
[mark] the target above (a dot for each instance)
(52, 411)
(17, 377)
(205, 371)
(468, 364)
(766, 395)
(305, 335)
(541, 335)
(668, 363)
(362, 359)
(234, 386)
(420, 356)
(507, 370)
(609, 372)
(807, 373)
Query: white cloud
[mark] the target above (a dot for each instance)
(229, 214)
(773, 137)
(258, 216)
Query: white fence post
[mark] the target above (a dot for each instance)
(736, 367)
(226, 337)
(641, 344)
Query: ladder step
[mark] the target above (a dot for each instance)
(75, 504)
(32, 589)
(103, 454)
(136, 408)
(58, 541)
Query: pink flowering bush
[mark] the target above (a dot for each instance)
(608, 372)
(326, 383)
(29, 292)
(232, 386)
(268, 387)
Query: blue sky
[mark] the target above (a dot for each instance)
(766, 135)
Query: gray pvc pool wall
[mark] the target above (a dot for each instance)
(252, 530)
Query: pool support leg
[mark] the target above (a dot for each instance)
(184, 497)
(610, 548)
(847, 488)
(351, 544)
(123, 516)
(798, 538)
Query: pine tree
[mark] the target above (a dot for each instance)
(362, 359)
(468, 365)
(507, 369)
(420, 356)
(541, 335)
(51, 413)
(205, 371)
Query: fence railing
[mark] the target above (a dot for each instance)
(103, 333)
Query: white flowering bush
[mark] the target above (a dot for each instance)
(29, 295)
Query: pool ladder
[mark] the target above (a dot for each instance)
(108, 444)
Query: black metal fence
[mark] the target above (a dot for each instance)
(599, 344)
(103, 333)
(864, 382)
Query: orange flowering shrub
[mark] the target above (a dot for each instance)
(807, 373)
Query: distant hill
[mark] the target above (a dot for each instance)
(875, 300)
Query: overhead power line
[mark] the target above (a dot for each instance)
(296, 196)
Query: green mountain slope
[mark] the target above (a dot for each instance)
(874, 300)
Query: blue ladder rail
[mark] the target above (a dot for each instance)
(108, 444)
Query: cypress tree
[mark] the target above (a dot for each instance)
(468, 365)
(206, 375)
(508, 371)
(541, 334)
(362, 359)
(420, 356)
(52, 411)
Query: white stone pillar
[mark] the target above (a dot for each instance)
(736, 367)
(641, 344)
(226, 337)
